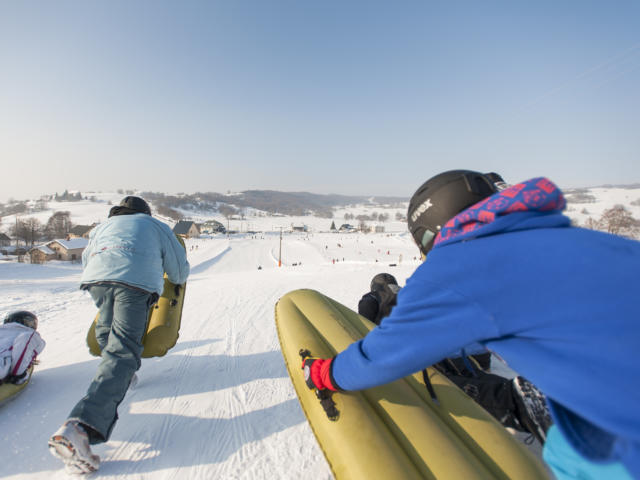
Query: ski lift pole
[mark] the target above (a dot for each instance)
(280, 250)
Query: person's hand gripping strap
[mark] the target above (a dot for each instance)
(317, 376)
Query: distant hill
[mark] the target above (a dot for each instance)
(631, 186)
(271, 201)
(589, 207)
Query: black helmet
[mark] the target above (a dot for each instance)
(23, 317)
(497, 180)
(381, 280)
(441, 198)
(136, 203)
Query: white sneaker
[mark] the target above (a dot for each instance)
(532, 410)
(71, 445)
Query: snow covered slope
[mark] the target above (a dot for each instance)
(220, 404)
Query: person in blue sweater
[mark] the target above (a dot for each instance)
(559, 303)
(514, 402)
(123, 271)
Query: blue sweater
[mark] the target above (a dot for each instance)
(135, 250)
(558, 303)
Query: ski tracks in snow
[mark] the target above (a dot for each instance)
(223, 390)
(220, 403)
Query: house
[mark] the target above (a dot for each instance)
(81, 231)
(299, 228)
(41, 254)
(5, 241)
(212, 226)
(186, 229)
(379, 229)
(345, 227)
(70, 249)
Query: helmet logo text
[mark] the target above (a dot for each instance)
(423, 207)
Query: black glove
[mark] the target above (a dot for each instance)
(369, 306)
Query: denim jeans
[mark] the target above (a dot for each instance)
(119, 331)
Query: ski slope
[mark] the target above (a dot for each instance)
(219, 404)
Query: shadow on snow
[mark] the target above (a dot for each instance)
(27, 422)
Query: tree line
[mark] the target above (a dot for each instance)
(274, 202)
(31, 231)
(618, 221)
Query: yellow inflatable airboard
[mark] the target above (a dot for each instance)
(394, 431)
(163, 326)
(10, 390)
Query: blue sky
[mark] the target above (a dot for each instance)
(346, 97)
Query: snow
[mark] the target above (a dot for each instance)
(72, 243)
(44, 249)
(220, 404)
(604, 199)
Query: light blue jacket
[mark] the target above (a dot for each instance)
(135, 250)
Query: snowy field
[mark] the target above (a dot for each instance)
(219, 404)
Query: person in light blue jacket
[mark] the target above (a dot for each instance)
(123, 271)
(506, 269)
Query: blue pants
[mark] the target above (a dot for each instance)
(567, 464)
(119, 331)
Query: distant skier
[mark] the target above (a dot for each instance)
(123, 271)
(20, 344)
(506, 269)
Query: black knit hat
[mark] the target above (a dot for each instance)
(136, 203)
(130, 205)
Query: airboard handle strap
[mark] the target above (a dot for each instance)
(427, 383)
(324, 395)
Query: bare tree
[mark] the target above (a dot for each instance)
(41, 205)
(616, 220)
(227, 211)
(59, 225)
(591, 224)
(28, 230)
(619, 221)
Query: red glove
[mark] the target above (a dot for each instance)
(317, 373)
